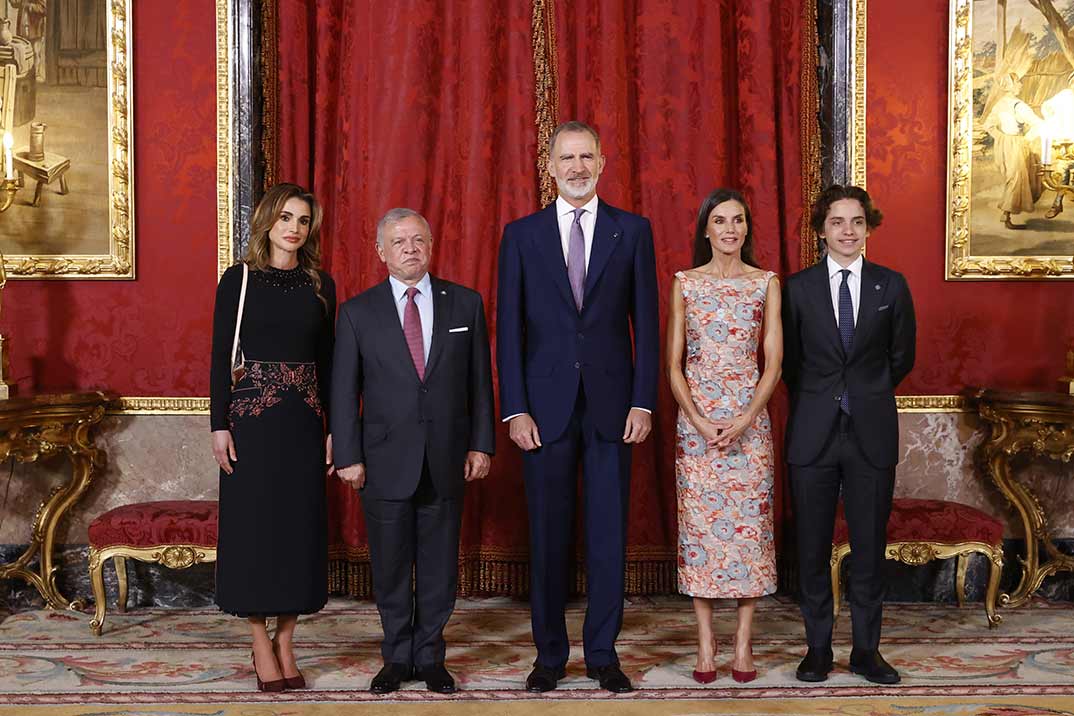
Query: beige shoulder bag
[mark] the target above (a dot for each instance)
(238, 360)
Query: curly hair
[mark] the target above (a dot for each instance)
(837, 192)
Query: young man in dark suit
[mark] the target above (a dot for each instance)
(413, 353)
(849, 332)
(578, 355)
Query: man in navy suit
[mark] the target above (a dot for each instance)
(848, 341)
(574, 280)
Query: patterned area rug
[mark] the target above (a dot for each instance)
(173, 663)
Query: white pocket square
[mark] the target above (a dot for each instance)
(885, 307)
(463, 329)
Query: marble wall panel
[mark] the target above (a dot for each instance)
(937, 462)
(153, 457)
(150, 457)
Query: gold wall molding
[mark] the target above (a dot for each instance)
(200, 406)
(811, 143)
(857, 138)
(543, 27)
(224, 208)
(158, 406)
(118, 263)
(931, 404)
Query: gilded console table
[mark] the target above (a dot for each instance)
(1041, 424)
(41, 426)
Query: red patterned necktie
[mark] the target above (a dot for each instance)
(412, 331)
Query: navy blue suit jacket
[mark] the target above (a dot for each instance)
(545, 347)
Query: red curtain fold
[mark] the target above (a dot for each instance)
(431, 104)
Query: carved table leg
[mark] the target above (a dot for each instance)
(48, 519)
(1029, 512)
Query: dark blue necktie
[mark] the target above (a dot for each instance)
(846, 330)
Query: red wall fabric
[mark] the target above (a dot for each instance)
(688, 97)
(427, 105)
(149, 336)
(1010, 333)
(418, 104)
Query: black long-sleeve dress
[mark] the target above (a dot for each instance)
(272, 549)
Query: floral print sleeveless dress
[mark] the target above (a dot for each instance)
(726, 545)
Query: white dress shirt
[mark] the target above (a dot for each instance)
(835, 280)
(424, 301)
(565, 213)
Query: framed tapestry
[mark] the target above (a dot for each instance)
(1010, 192)
(71, 213)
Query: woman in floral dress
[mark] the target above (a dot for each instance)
(724, 464)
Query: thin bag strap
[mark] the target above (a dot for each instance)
(238, 319)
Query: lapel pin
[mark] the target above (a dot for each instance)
(877, 287)
(444, 293)
(615, 235)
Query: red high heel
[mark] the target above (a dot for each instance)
(706, 677)
(743, 677)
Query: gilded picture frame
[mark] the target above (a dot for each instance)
(86, 103)
(1008, 165)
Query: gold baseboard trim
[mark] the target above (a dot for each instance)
(159, 406)
(931, 404)
(200, 406)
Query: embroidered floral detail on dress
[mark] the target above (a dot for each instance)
(265, 384)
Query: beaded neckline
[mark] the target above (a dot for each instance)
(286, 279)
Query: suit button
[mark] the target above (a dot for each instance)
(577, 364)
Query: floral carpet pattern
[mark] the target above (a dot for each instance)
(170, 662)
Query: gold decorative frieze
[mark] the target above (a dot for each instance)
(159, 406)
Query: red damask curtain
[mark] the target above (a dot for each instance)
(434, 105)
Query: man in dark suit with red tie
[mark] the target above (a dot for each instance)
(575, 281)
(848, 341)
(412, 422)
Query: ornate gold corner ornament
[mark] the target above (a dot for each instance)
(224, 208)
(546, 92)
(932, 404)
(810, 118)
(118, 263)
(159, 406)
(960, 263)
(857, 140)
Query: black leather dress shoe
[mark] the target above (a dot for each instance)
(390, 678)
(873, 667)
(611, 678)
(816, 665)
(544, 678)
(437, 679)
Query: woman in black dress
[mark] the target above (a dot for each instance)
(269, 429)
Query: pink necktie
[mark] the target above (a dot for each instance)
(412, 331)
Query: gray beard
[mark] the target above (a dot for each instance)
(571, 192)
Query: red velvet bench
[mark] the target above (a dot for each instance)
(920, 531)
(177, 534)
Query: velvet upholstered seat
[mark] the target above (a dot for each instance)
(922, 530)
(175, 533)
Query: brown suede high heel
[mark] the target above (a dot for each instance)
(291, 682)
(276, 685)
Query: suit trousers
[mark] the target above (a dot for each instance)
(551, 476)
(419, 537)
(867, 493)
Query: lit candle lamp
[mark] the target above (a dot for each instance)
(1045, 149)
(9, 168)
